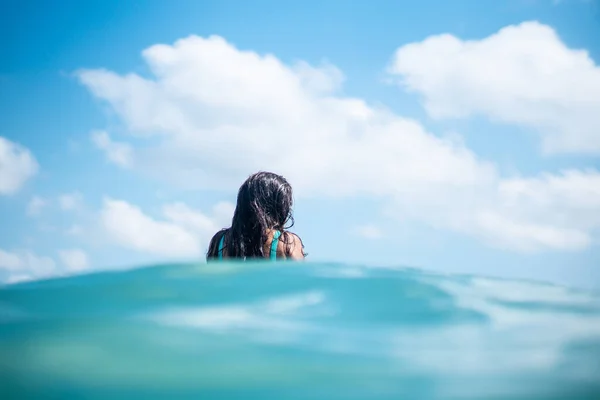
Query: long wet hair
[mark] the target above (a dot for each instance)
(264, 204)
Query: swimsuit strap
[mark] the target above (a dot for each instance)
(221, 246)
(274, 244)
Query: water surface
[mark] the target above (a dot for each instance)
(296, 331)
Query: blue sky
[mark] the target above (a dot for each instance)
(454, 136)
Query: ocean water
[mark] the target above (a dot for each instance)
(296, 331)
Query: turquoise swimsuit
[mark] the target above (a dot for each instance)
(274, 243)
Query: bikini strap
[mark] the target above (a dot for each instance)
(221, 246)
(274, 244)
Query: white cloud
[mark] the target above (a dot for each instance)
(183, 215)
(75, 260)
(559, 211)
(35, 206)
(70, 201)
(368, 232)
(217, 113)
(118, 153)
(17, 165)
(182, 233)
(523, 75)
(550, 211)
(526, 236)
(223, 213)
(20, 266)
(9, 261)
(213, 114)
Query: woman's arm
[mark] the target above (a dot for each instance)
(294, 248)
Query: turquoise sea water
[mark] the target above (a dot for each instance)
(296, 331)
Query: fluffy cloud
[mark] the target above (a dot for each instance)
(523, 75)
(182, 233)
(118, 153)
(553, 210)
(22, 266)
(550, 211)
(19, 266)
(217, 113)
(17, 165)
(213, 113)
(75, 260)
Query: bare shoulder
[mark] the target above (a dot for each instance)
(292, 246)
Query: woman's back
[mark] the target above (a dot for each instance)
(258, 228)
(279, 245)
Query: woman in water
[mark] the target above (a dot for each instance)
(258, 227)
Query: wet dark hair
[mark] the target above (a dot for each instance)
(264, 203)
